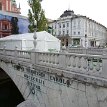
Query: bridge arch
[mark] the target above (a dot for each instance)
(9, 93)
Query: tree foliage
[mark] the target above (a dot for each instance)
(36, 13)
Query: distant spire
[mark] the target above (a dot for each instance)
(69, 5)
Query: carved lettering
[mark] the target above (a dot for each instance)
(34, 79)
(33, 86)
(58, 79)
(35, 72)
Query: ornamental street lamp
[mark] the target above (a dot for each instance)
(85, 40)
(35, 35)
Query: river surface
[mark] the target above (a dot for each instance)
(9, 94)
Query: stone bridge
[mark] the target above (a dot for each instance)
(45, 79)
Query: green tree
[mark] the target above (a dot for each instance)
(36, 13)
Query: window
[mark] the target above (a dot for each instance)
(74, 33)
(78, 33)
(67, 24)
(63, 32)
(85, 35)
(76, 42)
(59, 25)
(63, 25)
(0, 6)
(55, 26)
(66, 42)
(67, 31)
(4, 27)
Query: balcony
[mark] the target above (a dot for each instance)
(66, 35)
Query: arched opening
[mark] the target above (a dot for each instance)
(9, 94)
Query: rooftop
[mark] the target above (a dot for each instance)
(67, 13)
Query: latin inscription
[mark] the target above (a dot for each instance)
(35, 72)
(37, 78)
(34, 79)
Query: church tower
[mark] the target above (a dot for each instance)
(9, 6)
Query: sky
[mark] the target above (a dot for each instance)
(94, 9)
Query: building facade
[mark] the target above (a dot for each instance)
(9, 6)
(5, 27)
(12, 23)
(8, 11)
(77, 30)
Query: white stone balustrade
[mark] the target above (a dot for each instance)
(1, 51)
(84, 63)
(10, 52)
(93, 51)
(49, 59)
(23, 54)
(72, 62)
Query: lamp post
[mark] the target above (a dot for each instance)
(85, 40)
(94, 42)
(35, 35)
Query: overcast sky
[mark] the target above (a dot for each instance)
(94, 9)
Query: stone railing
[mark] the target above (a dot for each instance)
(93, 51)
(95, 65)
(16, 54)
(87, 64)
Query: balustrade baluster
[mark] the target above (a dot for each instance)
(85, 63)
(74, 61)
(57, 60)
(49, 58)
(68, 61)
(98, 65)
(46, 58)
(79, 62)
(91, 64)
(43, 57)
(71, 61)
(53, 59)
(40, 57)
